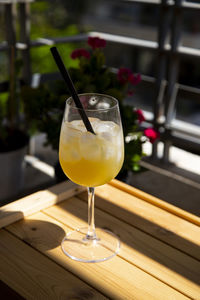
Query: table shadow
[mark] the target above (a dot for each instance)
(149, 228)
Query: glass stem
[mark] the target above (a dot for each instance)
(91, 234)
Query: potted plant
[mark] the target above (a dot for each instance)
(92, 75)
(13, 139)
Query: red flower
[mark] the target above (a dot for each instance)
(123, 75)
(134, 79)
(80, 53)
(96, 42)
(152, 134)
(140, 115)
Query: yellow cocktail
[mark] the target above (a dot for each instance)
(88, 159)
(91, 157)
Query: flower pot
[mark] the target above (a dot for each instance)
(12, 173)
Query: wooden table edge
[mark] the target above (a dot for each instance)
(156, 201)
(26, 206)
(40, 200)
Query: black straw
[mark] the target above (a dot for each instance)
(71, 88)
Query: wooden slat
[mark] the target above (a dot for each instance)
(117, 278)
(26, 206)
(35, 276)
(161, 224)
(155, 201)
(125, 205)
(149, 254)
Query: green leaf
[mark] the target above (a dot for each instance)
(136, 167)
(136, 158)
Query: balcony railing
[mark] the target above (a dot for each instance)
(168, 55)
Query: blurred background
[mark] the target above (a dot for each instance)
(160, 39)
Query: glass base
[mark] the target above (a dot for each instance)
(77, 246)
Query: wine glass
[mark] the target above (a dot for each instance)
(91, 160)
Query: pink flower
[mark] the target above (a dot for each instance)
(140, 115)
(96, 42)
(134, 79)
(152, 134)
(123, 75)
(80, 53)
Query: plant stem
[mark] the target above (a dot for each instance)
(91, 234)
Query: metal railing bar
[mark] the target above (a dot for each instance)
(20, 46)
(67, 39)
(188, 138)
(182, 50)
(24, 37)
(47, 41)
(15, 1)
(174, 61)
(82, 37)
(166, 90)
(153, 2)
(185, 128)
(171, 106)
(183, 90)
(139, 43)
(184, 4)
(190, 5)
(125, 40)
(189, 89)
(177, 128)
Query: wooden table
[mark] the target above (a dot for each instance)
(159, 256)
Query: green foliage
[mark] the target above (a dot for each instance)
(133, 152)
(47, 20)
(3, 102)
(43, 109)
(41, 58)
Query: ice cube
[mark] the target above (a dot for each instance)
(94, 122)
(90, 147)
(69, 154)
(108, 127)
(119, 140)
(108, 151)
(69, 133)
(78, 124)
(107, 136)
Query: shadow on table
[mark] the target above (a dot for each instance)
(33, 229)
(52, 239)
(144, 236)
(39, 233)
